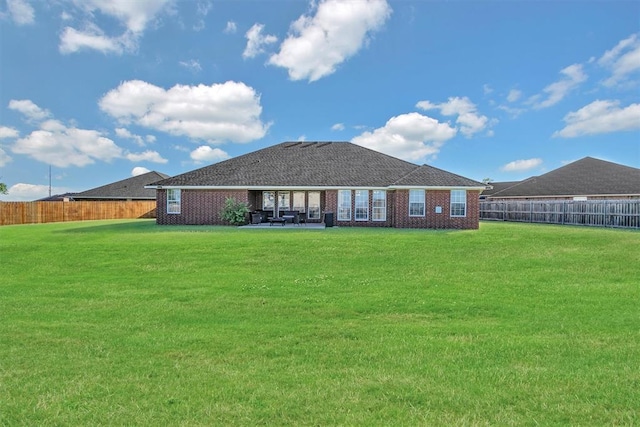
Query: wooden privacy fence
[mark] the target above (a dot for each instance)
(40, 212)
(623, 213)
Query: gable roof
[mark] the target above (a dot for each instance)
(314, 164)
(130, 188)
(584, 177)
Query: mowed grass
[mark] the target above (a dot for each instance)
(129, 323)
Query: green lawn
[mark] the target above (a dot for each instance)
(129, 323)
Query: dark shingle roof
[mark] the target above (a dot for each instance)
(130, 188)
(585, 177)
(311, 164)
(499, 186)
(435, 177)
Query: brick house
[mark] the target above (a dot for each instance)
(584, 179)
(356, 186)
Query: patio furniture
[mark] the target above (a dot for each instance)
(299, 219)
(276, 219)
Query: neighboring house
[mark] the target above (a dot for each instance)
(65, 197)
(354, 185)
(128, 189)
(584, 179)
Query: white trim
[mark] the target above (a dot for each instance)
(344, 218)
(356, 207)
(433, 187)
(177, 202)
(373, 207)
(451, 203)
(424, 203)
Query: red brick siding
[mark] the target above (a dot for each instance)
(199, 207)
(433, 220)
(202, 207)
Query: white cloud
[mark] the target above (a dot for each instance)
(409, 136)
(338, 127)
(67, 146)
(555, 92)
(4, 157)
(231, 28)
(125, 134)
(139, 170)
(72, 40)
(221, 112)
(146, 156)
(7, 132)
(487, 89)
(622, 60)
(21, 11)
(192, 65)
(468, 120)
(521, 165)
(202, 11)
(514, 95)
(256, 41)
(22, 192)
(205, 153)
(29, 109)
(317, 44)
(601, 117)
(60, 145)
(133, 15)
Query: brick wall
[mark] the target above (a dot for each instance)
(199, 207)
(432, 219)
(203, 207)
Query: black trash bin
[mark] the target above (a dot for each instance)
(328, 219)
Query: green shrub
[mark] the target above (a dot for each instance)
(234, 212)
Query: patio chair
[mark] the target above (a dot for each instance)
(299, 219)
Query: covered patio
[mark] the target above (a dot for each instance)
(286, 225)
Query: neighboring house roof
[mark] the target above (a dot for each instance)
(316, 164)
(130, 188)
(498, 186)
(584, 177)
(57, 197)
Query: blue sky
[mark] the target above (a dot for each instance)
(103, 90)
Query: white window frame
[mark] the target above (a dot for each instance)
(174, 201)
(362, 205)
(344, 205)
(314, 205)
(458, 202)
(298, 201)
(284, 206)
(268, 200)
(417, 197)
(379, 213)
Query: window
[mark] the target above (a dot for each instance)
(268, 200)
(362, 205)
(344, 205)
(284, 201)
(379, 209)
(416, 202)
(314, 205)
(298, 201)
(173, 201)
(458, 203)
